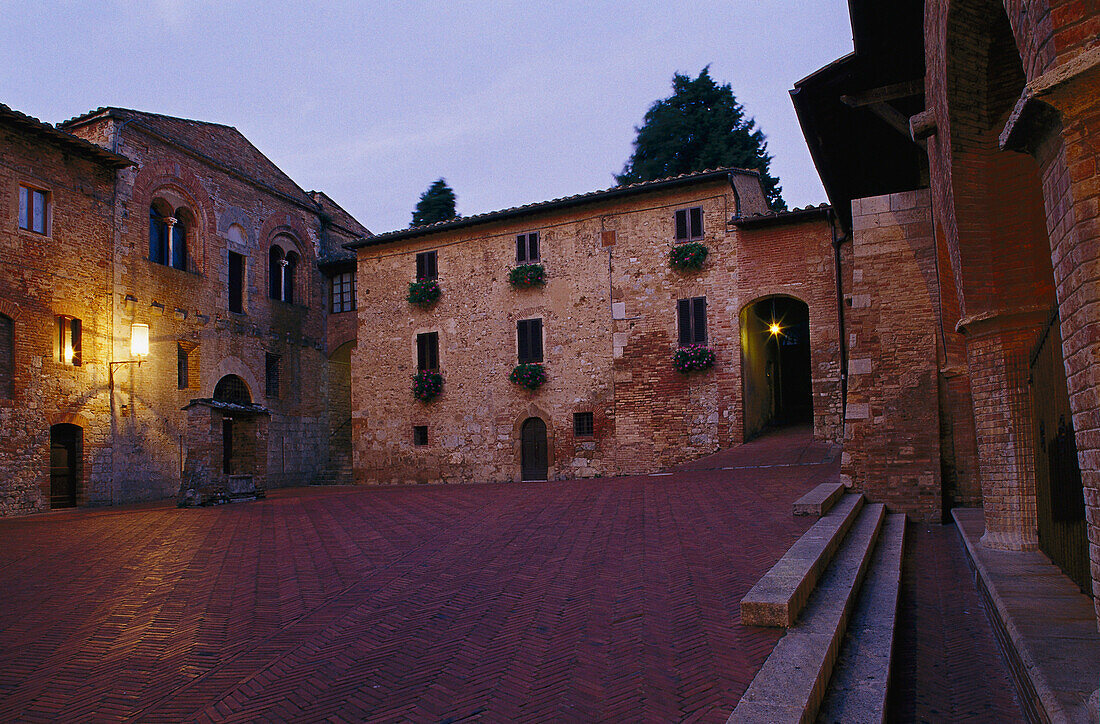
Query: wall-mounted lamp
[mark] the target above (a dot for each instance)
(139, 347)
(139, 341)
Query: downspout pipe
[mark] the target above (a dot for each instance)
(837, 241)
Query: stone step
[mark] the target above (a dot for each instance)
(791, 684)
(780, 595)
(818, 501)
(857, 691)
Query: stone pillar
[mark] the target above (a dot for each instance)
(998, 348)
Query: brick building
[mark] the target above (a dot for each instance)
(603, 326)
(958, 145)
(184, 232)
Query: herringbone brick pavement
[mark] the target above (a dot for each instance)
(611, 599)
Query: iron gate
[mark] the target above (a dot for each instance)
(1060, 500)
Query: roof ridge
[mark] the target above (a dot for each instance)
(135, 111)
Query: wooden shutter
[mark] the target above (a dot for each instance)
(521, 249)
(696, 226)
(523, 341)
(683, 321)
(699, 320)
(536, 340)
(533, 247)
(681, 224)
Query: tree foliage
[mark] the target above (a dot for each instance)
(436, 204)
(700, 126)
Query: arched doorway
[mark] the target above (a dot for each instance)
(231, 389)
(534, 457)
(66, 464)
(775, 364)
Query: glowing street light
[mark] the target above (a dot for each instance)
(774, 329)
(139, 341)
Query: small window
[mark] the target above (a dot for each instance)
(181, 367)
(68, 338)
(343, 292)
(425, 266)
(527, 248)
(271, 376)
(7, 356)
(236, 282)
(33, 209)
(689, 224)
(420, 434)
(529, 340)
(582, 424)
(692, 321)
(427, 351)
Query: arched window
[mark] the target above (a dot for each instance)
(7, 356)
(232, 388)
(289, 270)
(275, 273)
(168, 234)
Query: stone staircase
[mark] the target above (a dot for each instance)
(836, 593)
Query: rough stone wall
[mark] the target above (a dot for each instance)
(610, 328)
(192, 307)
(892, 446)
(64, 272)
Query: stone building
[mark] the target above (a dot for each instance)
(958, 146)
(236, 275)
(56, 231)
(603, 326)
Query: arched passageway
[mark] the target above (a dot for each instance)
(775, 364)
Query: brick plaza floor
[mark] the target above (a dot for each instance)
(601, 600)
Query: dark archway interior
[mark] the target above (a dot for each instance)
(232, 388)
(775, 364)
(66, 463)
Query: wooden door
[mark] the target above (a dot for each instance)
(533, 449)
(65, 451)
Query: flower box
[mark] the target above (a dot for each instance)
(427, 385)
(529, 374)
(688, 256)
(424, 293)
(692, 358)
(526, 276)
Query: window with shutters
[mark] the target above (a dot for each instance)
(236, 282)
(7, 356)
(271, 376)
(529, 340)
(527, 248)
(582, 424)
(689, 224)
(343, 292)
(420, 434)
(34, 207)
(692, 321)
(427, 351)
(68, 341)
(425, 266)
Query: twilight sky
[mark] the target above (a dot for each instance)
(511, 102)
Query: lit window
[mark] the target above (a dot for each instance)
(343, 292)
(68, 338)
(689, 224)
(33, 209)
